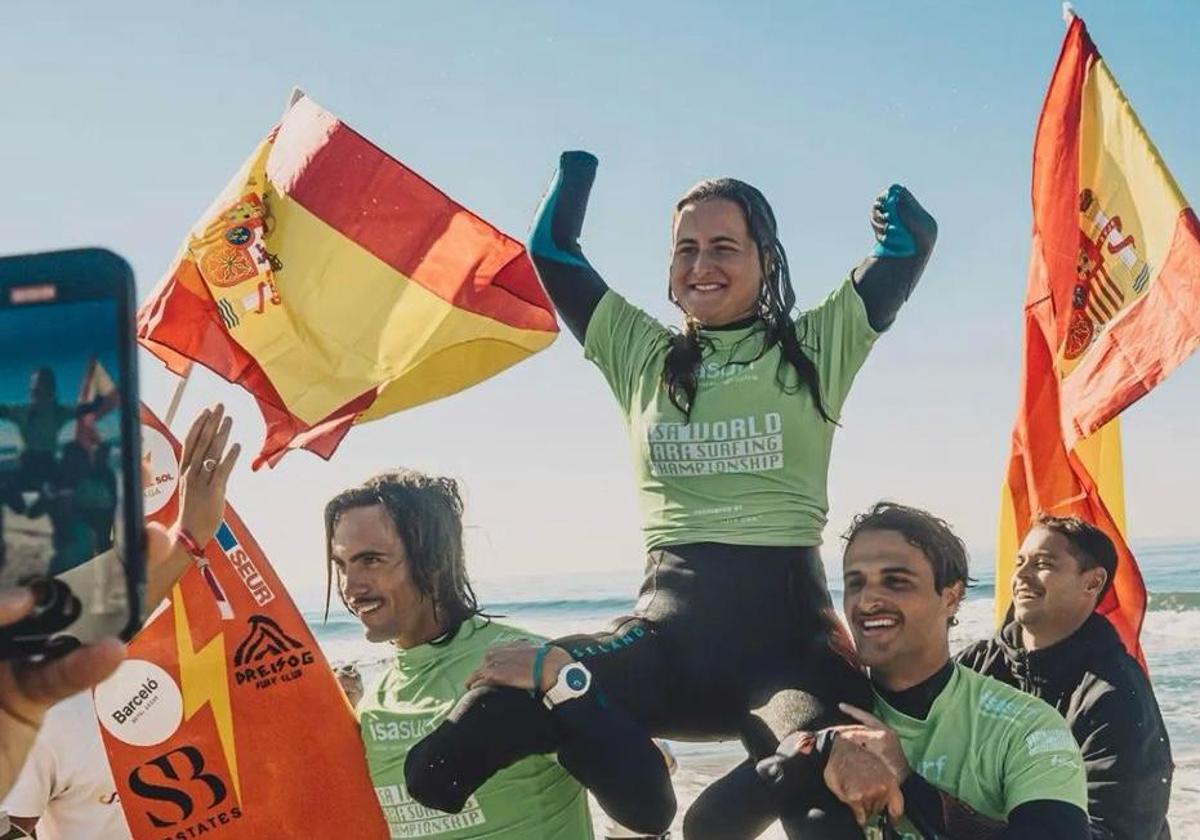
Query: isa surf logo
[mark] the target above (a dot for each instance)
(160, 470)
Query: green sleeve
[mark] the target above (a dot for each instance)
(837, 336)
(622, 341)
(1042, 761)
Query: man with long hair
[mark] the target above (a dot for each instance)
(395, 548)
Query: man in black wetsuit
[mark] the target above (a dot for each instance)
(1058, 648)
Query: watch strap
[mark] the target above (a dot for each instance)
(539, 661)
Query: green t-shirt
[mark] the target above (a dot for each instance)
(750, 466)
(532, 798)
(991, 746)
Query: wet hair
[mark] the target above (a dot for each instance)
(935, 538)
(427, 512)
(776, 299)
(1088, 544)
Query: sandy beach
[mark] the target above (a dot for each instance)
(697, 771)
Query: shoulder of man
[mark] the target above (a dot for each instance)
(1004, 705)
(1113, 688)
(487, 632)
(1038, 757)
(65, 743)
(982, 656)
(1117, 712)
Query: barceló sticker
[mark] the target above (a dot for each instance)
(160, 470)
(140, 704)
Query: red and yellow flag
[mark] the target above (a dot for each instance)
(225, 720)
(338, 286)
(98, 392)
(1112, 307)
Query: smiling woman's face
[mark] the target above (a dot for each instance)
(715, 268)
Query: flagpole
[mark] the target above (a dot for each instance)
(1068, 13)
(173, 407)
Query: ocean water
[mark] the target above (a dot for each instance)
(556, 605)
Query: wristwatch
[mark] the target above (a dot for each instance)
(573, 681)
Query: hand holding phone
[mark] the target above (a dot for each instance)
(28, 689)
(70, 452)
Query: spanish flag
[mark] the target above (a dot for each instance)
(99, 393)
(337, 286)
(1112, 307)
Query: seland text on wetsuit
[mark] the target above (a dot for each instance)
(731, 635)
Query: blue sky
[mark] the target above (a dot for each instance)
(123, 122)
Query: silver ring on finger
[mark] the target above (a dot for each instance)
(209, 464)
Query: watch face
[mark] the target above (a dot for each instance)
(576, 678)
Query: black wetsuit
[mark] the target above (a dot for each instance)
(1108, 702)
(726, 641)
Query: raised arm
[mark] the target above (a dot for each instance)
(904, 238)
(572, 283)
(203, 475)
(89, 407)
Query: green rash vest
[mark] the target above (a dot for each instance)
(750, 466)
(991, 746)
(533, 798)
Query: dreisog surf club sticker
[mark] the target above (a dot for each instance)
(160, 470)
(140, 704)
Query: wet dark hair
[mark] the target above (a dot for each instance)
(776, 299)
(427, 512)
(1089, 545)
(935, 538)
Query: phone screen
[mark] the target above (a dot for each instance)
(61, 457)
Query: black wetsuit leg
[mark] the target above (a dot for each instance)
(742, 804)
(725, 642)
(596, 742)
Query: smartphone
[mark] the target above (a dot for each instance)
(70, 450)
